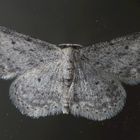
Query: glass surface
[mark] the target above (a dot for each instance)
(75, 21)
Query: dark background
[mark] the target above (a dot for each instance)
(73, 21)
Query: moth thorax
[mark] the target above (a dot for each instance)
(68, 66)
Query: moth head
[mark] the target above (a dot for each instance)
(66, 45)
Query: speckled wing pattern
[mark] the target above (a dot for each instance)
(19, 53)
(38, 92)
(97, 95)
(120, 56)
(53, 79)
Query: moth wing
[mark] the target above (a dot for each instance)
(38, 92)
(120, 56)
(97, 95)
(19, 53)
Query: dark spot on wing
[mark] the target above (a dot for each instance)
(71, 61)
(18, 68)
(126, 47)
(77, 107)
(28, 39)
(96, 112)
(112, 81)
(31, 63)
(39, 79)
(120, 72)
(31, 50)
(111, 43)
(108, 89)
(21, 51)
(41, 60)
(97, 82)
(13, 42)
(122, 54)
(104, 111)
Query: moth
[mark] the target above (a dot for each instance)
(69, 78)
